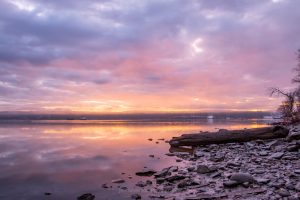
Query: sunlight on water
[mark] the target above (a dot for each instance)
(70, 159)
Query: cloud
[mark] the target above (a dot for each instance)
(142, 53)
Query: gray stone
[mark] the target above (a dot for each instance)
(283, 193)
(293, 135)
(203, 169)
(277, 155)
(262, 181)
(118, 181)
(230, 183)
(263, 153)
(175, 178)
(242, 178)
(146, 172)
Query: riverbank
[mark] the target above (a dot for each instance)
(260, 169)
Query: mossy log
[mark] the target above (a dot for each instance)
(229, 136)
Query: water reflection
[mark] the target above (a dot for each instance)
(68, 159)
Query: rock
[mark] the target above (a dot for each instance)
(277, 155)
(178, 160)
(173, 169)
(47, 193)
(232, 164)
(216, 174)
(203, 169)
(297, 187)
(150, 139)
(293, 135)
(297, 171)
(146, 172)
(230, 183)
(162, 173)
(292, 148)
(118, 181)
(175, 178)
(151, 156)
(242, 178)
(199, 154)
(170, 154)
(104, 185)
(217, 158)
(191, 169)
(186, 183)
(136, 196)
(87, 196)
(262, 181)
(142, 184)
(160, 180)
(283, 193)
(263, 153)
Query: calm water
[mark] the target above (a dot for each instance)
(69, 159)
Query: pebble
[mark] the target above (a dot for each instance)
(118, 181)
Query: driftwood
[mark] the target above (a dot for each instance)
(228, 136)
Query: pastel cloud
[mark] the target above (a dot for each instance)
(145, 56)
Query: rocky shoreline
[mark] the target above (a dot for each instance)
(259, 169)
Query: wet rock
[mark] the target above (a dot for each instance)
(191, 169)
(118, 181)
(292, 148)
(136, 196)
(199, 154)
(146, 172)
(217, 158)
(142, 184)
(231, 183)
(216, 174)
(173, 169)
(105, 186)
(283, 193)
(162, 173)
(150, 139)
(262, 181)
(47, 193)
(203, 169)
(242, 178)
(175, 178)
(160, 180)
(293, 135)
(151, 156)
(186, 183)
(87, 196)
(263, 153)
(277, 155)
(297, 187)
(232, 164)
(170, 154)
(297, 171)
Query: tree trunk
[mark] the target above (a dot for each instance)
(227, 136)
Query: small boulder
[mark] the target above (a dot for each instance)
(146, 172)
(242, 178)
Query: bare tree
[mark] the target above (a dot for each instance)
(289, 107)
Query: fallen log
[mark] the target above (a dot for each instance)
(229, 136)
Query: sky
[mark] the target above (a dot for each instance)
(146, 55)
